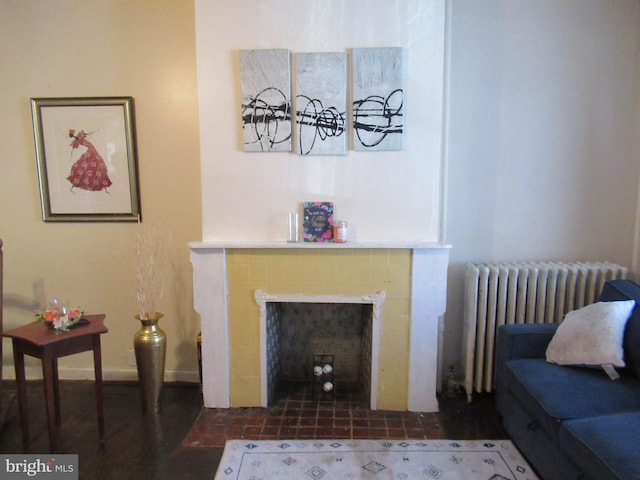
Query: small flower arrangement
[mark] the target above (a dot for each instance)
(61, 319)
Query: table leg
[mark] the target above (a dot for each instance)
(97, 362)
(49, 367)
(56, 391)
(18, 362)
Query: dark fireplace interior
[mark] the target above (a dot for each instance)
(335, 338)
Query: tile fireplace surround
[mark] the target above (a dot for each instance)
(405, 282)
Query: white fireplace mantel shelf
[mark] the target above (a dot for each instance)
(209, 244)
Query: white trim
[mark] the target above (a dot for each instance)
(428, 304)
(221, 244)
(446, 100)
(210, 301)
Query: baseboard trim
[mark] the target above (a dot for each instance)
(108, 375)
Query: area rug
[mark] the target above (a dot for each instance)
(373, 459)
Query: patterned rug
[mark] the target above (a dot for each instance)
(369, 459)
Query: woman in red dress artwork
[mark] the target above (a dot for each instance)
(89, 172)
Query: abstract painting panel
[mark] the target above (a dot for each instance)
(321, 103)
(378, 102)
(266, 100)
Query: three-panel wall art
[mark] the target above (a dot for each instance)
(311, 108)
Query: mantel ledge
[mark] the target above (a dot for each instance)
(395, 244)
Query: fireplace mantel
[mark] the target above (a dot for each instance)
(428, 281)
(282, 244)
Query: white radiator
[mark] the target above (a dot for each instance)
(524, 292)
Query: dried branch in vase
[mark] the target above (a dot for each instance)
(150, 252)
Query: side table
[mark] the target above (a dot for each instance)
(36, 340)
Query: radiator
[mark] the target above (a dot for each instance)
(523, 292)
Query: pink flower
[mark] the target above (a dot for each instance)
(51, 315)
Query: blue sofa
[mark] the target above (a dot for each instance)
(571, 422)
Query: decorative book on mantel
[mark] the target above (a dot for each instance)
(318, 221)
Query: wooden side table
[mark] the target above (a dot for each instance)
(36, 340)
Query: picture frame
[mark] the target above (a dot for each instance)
(321, 103)
(265, 81)
(87, 159)
(378, 109)
(318, 221)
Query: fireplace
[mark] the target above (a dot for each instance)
(303, 334)
(404, 285)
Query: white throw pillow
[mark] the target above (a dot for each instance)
(592, 335)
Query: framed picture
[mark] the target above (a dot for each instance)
(266, 100)
(318, 221)
(87, 160)
(378, 99)
(321, 103)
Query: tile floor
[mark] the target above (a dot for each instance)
(297, 415)
(154, 447)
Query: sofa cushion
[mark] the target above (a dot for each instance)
(606, 446)
(553, 393)
(624, 290)
(591, 335)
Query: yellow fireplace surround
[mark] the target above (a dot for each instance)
(318, 272)
(411, 277)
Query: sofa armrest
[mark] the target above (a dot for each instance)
(526, 340)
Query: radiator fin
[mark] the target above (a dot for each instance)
(522, 292)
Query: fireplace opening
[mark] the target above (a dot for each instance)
(320, 350)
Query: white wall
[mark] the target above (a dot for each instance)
(543, 151)
(542, 142)
(384, 195)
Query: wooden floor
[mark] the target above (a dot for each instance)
(150, 447)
